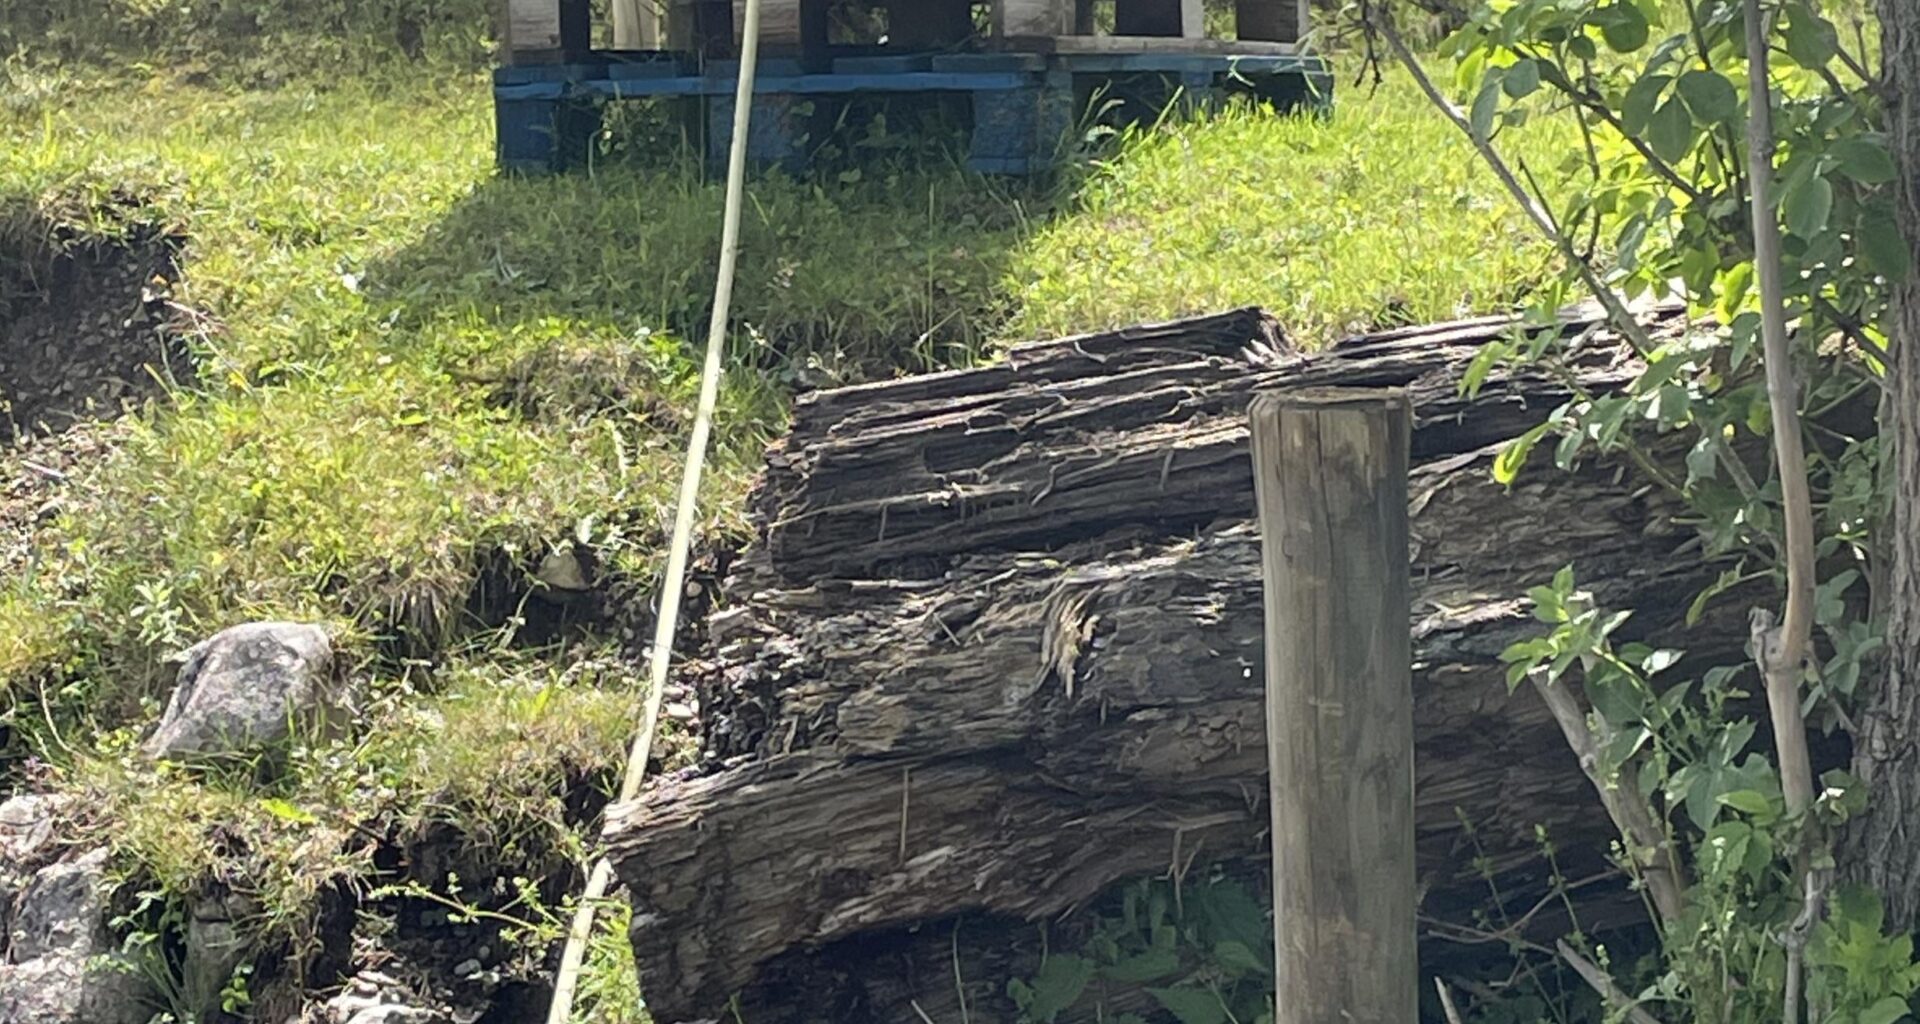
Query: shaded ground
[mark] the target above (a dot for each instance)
(85, 325)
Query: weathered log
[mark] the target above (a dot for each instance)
(1001, 648)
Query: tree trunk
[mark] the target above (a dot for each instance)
(999, 647)
(1879, 848)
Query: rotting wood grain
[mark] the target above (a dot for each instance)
(1071, 685)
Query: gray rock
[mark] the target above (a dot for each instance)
(61, 966)
(27, 844)
(563, 571)
(215, 947)
(248, 688)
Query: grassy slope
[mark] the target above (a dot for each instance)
(415, 364)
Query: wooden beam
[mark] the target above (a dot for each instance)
(1144, 44)
(1330, 483)
(1277, 21)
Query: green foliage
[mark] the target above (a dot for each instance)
(1685, 749)
(1203, 951)
(1654, 204)
(270, 37)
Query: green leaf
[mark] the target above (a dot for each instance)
(1812, 41)
(1149, 966)
(1709, 95)
(1236, 957)
(1624, 28)
(1641, 100)
(1523, 79)
(1864, 158)
(1670, 131)
(1058, 986)
(1614, 697)
(1807, 208)
(1747, 801)
(1483, 362)
(1727, 842)
(1885, 249)
(286, 811)
(1506, 465)
(1886, 1011)
(1191, 1005)
(1485, 106)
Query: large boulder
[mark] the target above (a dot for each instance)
(249, 688)
(58, 962)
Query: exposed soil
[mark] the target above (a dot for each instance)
(86, 326)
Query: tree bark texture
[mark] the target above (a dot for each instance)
(999, 646)
(1879, 849)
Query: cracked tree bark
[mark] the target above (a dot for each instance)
(1878, 848)
(998, 647)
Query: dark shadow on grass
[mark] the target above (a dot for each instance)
(885, 257)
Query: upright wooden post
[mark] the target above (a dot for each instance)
(1330, 479)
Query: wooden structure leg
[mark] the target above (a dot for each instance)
(1275, 21)
(547, 31)
(788, 28)
(1020, 131)
(543, 136)
(1330, 482)
(1027, 18)
(928, 24)
(1182, 18)
(776, 137)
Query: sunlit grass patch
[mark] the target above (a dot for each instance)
(1377, 214)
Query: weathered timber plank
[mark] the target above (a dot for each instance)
(914, 716)
(1330, 476)
(1011, 456)
(1061, 727)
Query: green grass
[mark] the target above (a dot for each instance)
(1376, 216)
(411, 369)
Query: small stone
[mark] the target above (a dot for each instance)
(466, 968)
(247, 688)
(561, 570)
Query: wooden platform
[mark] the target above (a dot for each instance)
(1026, 67)
(1022, 105)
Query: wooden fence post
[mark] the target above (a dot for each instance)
(1330, 478)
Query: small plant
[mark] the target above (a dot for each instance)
(1203, 951)
(1716, 854)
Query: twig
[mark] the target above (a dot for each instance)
(1597, 979)
(1512, 930)
(1446, 1002)
(1623, 319)
(1647, 847)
